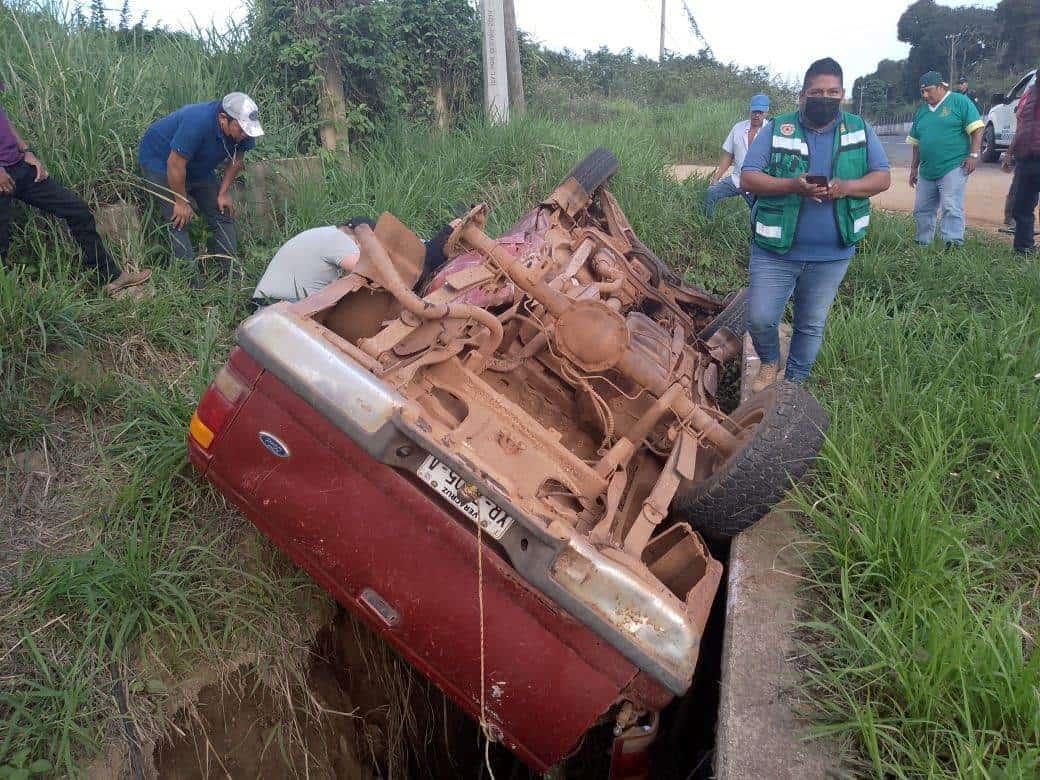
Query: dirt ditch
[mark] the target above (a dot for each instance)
(366, 714)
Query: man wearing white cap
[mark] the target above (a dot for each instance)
(179, 155)
(734, 150)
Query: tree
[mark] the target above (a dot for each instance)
(930, 29)
(342, 65)
(1019, 22)
(870, 96)
(98, 18)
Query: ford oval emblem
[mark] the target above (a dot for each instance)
(274, 445)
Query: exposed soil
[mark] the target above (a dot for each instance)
(367, 714)
(243, 729)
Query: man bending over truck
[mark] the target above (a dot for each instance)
(312, 260)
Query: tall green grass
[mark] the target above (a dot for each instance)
(85, 97)
(927, 517)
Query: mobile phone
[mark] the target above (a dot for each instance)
(819, 181)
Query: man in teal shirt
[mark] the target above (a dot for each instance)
(946, 137)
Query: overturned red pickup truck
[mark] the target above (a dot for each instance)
(507, 473)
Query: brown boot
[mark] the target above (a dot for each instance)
(128, 279)
(766, 375)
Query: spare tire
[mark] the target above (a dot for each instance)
(734, 316)
(782, 428)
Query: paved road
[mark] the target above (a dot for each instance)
(897, 149)
(899, 152)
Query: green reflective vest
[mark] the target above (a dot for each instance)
(776, 216)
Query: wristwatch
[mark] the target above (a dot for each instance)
(974, 154)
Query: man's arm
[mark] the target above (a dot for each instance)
(877, 179)
(720, 170)
(30, 156)
(759, 183)
(865, 187)
(972, 160)
(973, 126)
(1011, 147)
(347, 263)
(1009, 157)
(176, 180)
(224, 202)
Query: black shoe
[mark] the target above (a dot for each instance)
(950, 246)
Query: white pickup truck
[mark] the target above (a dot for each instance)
(1000, 121)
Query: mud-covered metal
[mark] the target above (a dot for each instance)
(555, 370)
(558, 368)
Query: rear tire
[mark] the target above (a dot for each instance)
(734, 317)
(595, 170)
(786, 430)
(990, 153)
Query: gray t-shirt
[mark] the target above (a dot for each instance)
(306, 263)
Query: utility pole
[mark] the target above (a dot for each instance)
(515, 72)
(660, 56)
(496, 80)
(953, 38)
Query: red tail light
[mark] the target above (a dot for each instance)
(221, 398)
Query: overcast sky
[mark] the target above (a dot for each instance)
(783, 36)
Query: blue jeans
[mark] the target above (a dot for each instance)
(720, 191)
(947, 196)
(814, 285)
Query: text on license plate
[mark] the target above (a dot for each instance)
(492, 518)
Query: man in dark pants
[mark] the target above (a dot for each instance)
(25, 177)
(1025, 153)
(179, 154)
(1009, 201)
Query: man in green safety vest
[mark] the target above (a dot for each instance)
(813, 171)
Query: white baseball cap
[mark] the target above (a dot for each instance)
(241, 107)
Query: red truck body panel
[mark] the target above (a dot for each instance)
(406, 562)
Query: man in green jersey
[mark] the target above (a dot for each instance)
(946, 137)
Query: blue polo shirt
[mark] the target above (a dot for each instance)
(193, 132)
(816, 238)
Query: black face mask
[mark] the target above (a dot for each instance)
(821, 111)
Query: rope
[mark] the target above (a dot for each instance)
(484, 727)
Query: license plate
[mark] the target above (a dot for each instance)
(492, 518)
